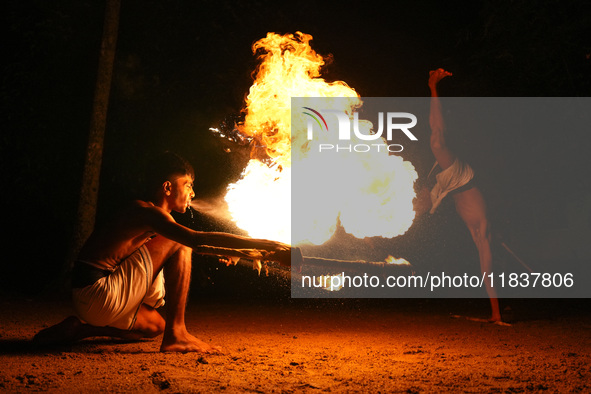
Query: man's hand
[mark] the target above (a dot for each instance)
(437, 75)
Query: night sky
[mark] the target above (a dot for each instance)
(184, 66)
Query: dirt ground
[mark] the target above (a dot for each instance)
(298, 346)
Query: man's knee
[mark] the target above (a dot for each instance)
(480, 231)
(182, 256)
(184, 251)
(153, 329)
(178, 265)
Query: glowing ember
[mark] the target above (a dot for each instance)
(398, 261)
(260, 202)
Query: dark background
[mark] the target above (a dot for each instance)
(184, 66)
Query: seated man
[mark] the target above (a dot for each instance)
(117, 282)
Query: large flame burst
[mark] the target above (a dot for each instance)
(260, 202)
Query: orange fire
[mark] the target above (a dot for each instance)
(260, 202)
(398, 261)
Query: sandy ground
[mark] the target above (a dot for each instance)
(286, 345)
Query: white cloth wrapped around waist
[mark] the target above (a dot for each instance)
(448, 180)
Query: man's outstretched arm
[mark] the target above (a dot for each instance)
(215, 242)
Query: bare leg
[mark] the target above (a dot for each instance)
(177, 262)
(148, 323)
(177, 271)
(442, 154)
(471, 207)
(72, 329)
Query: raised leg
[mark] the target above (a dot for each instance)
(442, 154)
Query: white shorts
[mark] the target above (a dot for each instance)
(115, 300)
(448, 180)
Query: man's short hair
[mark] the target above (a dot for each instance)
(162, 168)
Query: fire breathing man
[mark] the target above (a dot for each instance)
(455, 179)
(118, 279)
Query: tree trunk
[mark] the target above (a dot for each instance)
(87, 203)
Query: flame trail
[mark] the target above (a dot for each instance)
(260, 202)
(398, 261)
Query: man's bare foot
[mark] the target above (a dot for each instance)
(498, 321)
(494, 319)
(65, 332)
(437, 75)
(184, 342)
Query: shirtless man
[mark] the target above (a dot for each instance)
(118, 279)
(468, 199)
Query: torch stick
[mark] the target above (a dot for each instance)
(246, 258)
(300, 261)
(358, 265)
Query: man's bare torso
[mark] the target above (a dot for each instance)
(115, 241)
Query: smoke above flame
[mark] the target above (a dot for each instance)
(260, 202)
